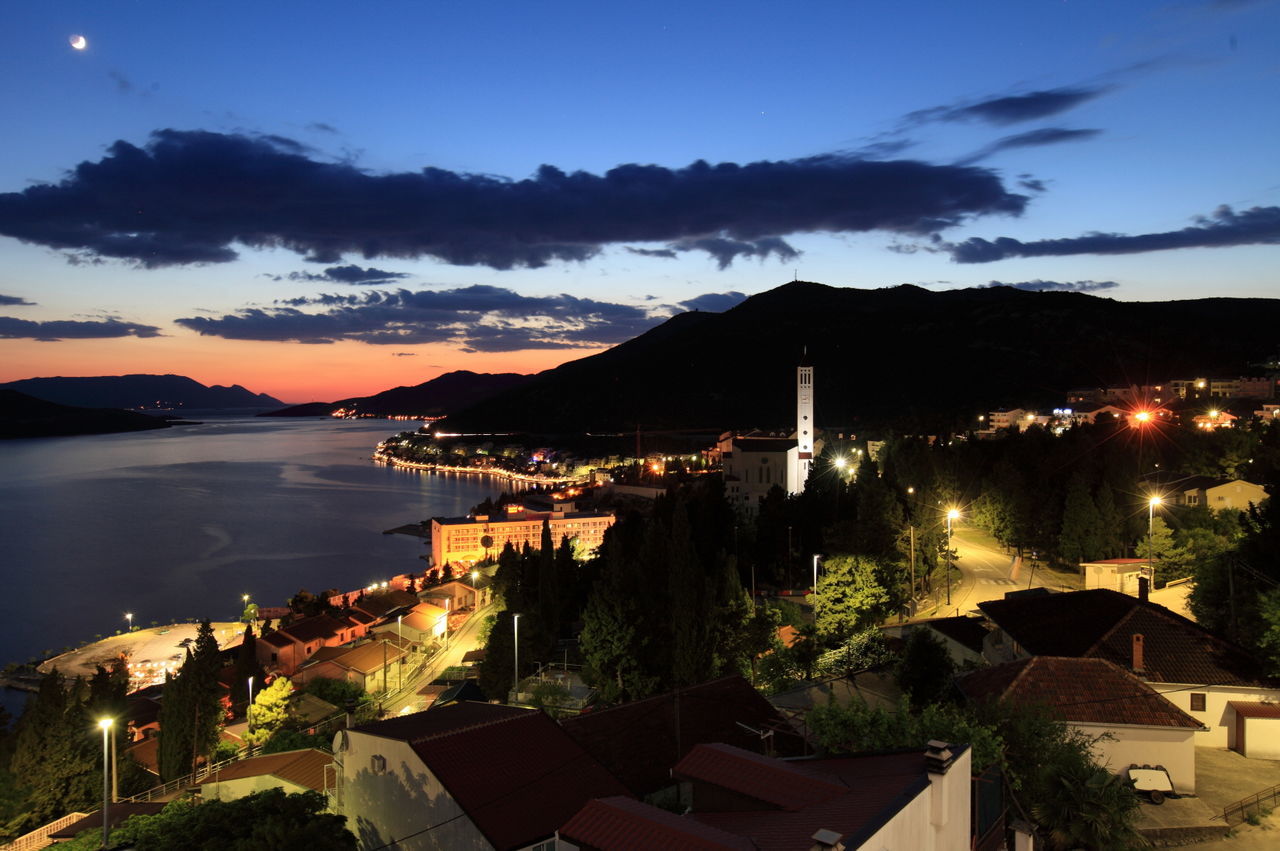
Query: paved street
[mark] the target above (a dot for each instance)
(466, 638)
(985, 573)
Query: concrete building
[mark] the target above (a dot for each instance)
(462, 539)
(1218, 494)
(1115, 574)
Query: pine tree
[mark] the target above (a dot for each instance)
(57, 751)
(191, 709)
(270, 710)
(1079, 539)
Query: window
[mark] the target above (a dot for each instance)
(378, 764)
(1197, 701)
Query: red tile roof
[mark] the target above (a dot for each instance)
(1256, 708)
(301, 768)
(639, 742)
(877, 787)
(623, 824)
(1087, 691)
(317, 627)
(785, 785)
(518, 777)
(421, 725)
(1101, 623)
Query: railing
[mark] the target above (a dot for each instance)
(39, 838)
(195, 777)
(1254, 804)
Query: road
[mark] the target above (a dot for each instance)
(985, 574)
(407, 699)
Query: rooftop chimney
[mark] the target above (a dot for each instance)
(1137, 653)
(827, 840)
(938, 757)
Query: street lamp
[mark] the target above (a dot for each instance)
(815, 576)
(105, 725)
(1151, 521)
(953, 514)
(515, 632)
(248, 710)
(128, 616)
(400, 643)
(475, 592)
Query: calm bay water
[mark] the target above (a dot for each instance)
(178, 523)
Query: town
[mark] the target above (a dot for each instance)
(909, 641)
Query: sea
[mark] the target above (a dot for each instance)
(179, 523)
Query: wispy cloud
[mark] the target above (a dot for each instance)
(351, 274)
(1057, 286)
(1225, 227)
(1012, 109)
(12, 328)
(14, 301)
(193, 197)
(1031, 139)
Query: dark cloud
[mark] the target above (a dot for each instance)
(665, 253)
(15, 301)
(1255, 226)
(404, 354)
(68, 329)
(352, 274)
(1031, 139)
(189, 197)
(714, 302)
(1012, 109)
(123, 84)
(1032, 184)
(322, 127)
(479, 318)
(1058, 286)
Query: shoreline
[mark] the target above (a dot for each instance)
(380, 457)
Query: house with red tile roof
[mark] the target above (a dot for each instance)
(303, 770)
(468, 775)
(1130, 722)
(371, 665)
(641, 741)
(286, 649)
(743, 800)
(1202, 674)
(420, 626)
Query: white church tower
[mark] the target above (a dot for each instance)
(805, 429)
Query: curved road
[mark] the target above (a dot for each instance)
(984, 574)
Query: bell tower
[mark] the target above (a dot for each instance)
(805, 429)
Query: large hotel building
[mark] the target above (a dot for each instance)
(455, 539)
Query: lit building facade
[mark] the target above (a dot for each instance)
(461, 539)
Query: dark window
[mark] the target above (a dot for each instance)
(1197, 701)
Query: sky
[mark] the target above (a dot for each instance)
(319, 200)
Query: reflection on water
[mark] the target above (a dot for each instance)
(178, 523)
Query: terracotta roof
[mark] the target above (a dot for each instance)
(358, 617)
(963, 630)
(1256, 708)
(368, 657)
(301, 768)
(317, 627)
(378, 604)
(116, 815)
(786, 786)
(421, 725)
(623, 824)
(1101, 623)
(475, 655)
(276, 638)
(877, 787)
(1087, 691)
(515, 773)
(638, 741)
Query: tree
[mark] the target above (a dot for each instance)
(924, 669)
(850, 597)
(1089, 807)
(246, 666)
(57, 754)
(267, 819)
(191, 711)
(270, 711)
(1080, 539)
(337, 692)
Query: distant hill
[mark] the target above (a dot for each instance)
(452, 391)
(26, 416)
(901, 356)
(150, 392)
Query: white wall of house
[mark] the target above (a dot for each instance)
(395, 799)
(1217, 715)
(230, 790)
(1172, 747)
(937, 819)
(1262, 738)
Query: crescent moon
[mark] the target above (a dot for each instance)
(79, 42)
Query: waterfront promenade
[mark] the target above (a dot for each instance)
(150, 651)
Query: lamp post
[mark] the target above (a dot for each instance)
(128, 617)
(475, 592)
(815, 576)
(1151, 527)
(515, 632)
(248, 710)
(105, 725)
(953, 514)
(400, 642)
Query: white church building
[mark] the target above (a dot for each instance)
(756, 461)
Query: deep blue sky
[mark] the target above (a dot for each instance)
(939, 143)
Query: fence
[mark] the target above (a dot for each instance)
(39, 838)
(1253, 805)
(195, 777)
